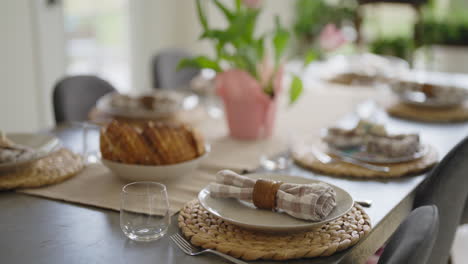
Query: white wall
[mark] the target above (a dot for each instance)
(32, 58)
(160, 24)
(150, 31)
(19, 109)
(49, 45)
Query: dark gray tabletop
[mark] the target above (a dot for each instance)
(38, 230)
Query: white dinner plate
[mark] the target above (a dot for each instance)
(362, 155)
(245, 214)
(43, 145)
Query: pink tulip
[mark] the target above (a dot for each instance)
(331, 38)
(252, 3)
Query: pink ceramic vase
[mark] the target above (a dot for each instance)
(249, 111)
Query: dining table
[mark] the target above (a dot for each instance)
(44, 231)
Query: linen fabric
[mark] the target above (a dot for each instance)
(305, 201)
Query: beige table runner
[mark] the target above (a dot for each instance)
(96, 186)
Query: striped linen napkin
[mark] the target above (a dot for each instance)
(305, 201)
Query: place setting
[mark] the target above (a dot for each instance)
(419, 97)
(363, 70)
(271, 217)
(35, 160)
(367, 150)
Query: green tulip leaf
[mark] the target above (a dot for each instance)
(202, 16)
(295, 90)
(280, 40)
(201, 62)
(310, 56)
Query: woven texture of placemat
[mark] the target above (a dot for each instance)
(305, 158)
(208, 231)
(426, 114)
(52, 169)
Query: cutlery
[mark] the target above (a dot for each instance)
(326, 159)
(280, 163)
(188, 249)
(365, 203)
(368, 111)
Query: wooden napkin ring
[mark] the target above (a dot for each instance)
(264, 193)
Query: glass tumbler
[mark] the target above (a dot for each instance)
(144, 211)
(91, 152)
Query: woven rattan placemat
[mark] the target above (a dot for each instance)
(426, 114)
(305, 158)
(206, 230)
(52, 169)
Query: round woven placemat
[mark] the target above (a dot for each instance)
(304, 157)
(52, 169)
(426, 114)
(206, 230)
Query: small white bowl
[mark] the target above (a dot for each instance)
(134, 173)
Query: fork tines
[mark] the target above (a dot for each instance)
(183, 244)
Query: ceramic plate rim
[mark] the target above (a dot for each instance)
(405, 97)
(53, 141)
(430, 103)
(279, 227)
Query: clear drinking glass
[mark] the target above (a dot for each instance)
(85, 138)
(91, 153)
(144, 211)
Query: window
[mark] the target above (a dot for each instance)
(97, 40)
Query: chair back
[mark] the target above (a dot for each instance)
(75, 96)
(414, 239)
(464, 220)
(447, 187)
(165, 73)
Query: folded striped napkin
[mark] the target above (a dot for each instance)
(305, 201)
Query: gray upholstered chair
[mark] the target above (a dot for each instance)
(465, 214)
(165, 73)
(447, 187)
(75, 96)
(414, 239)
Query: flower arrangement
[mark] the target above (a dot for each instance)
(318, 24)
(238, 47)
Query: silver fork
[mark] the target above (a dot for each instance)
(325, 159)
(188, 249)
(365, 203)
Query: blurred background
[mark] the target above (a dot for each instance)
(44, 40)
